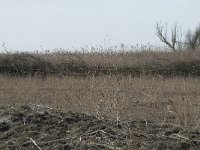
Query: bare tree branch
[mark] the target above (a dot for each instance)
(174, 42)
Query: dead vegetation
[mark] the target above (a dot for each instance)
(140, 100)
(37, 127)
(83, 64)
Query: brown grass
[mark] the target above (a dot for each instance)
(165, 100)
(83, 64)
(120, 85)
(129, 90)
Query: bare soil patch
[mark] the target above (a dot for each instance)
(37, 127)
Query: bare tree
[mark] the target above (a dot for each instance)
(192, 39)
(174, 42)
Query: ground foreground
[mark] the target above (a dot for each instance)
(37, 127)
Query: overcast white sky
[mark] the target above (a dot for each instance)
(29, 24)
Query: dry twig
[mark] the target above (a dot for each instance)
(35, 144)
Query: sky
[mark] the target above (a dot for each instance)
(49, 24)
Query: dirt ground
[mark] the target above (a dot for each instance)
(39, 128)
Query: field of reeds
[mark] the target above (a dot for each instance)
(84, 64)
(100, 100)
